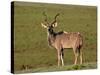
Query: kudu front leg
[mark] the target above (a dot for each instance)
(58, 54)
(62, 57)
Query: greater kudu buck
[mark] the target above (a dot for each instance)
(61, 40)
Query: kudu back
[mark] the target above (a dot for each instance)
(62, 40)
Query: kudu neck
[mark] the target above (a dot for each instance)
(51, 37)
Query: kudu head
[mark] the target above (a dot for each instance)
(49, 26)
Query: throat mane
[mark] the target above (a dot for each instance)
(52, 37)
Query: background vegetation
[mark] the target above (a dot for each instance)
(31, 50)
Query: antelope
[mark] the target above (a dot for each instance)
(62, 40)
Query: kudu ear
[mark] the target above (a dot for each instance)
(43, 25)
(54, 24)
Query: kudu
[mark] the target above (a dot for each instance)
(62, 40)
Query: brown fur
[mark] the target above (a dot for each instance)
(66, 40)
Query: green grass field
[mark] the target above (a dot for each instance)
(31, 48)
(85, 66)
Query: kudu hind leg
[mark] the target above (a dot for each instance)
(76, 54)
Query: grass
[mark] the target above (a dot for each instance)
(61, 68)
(30, 39)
